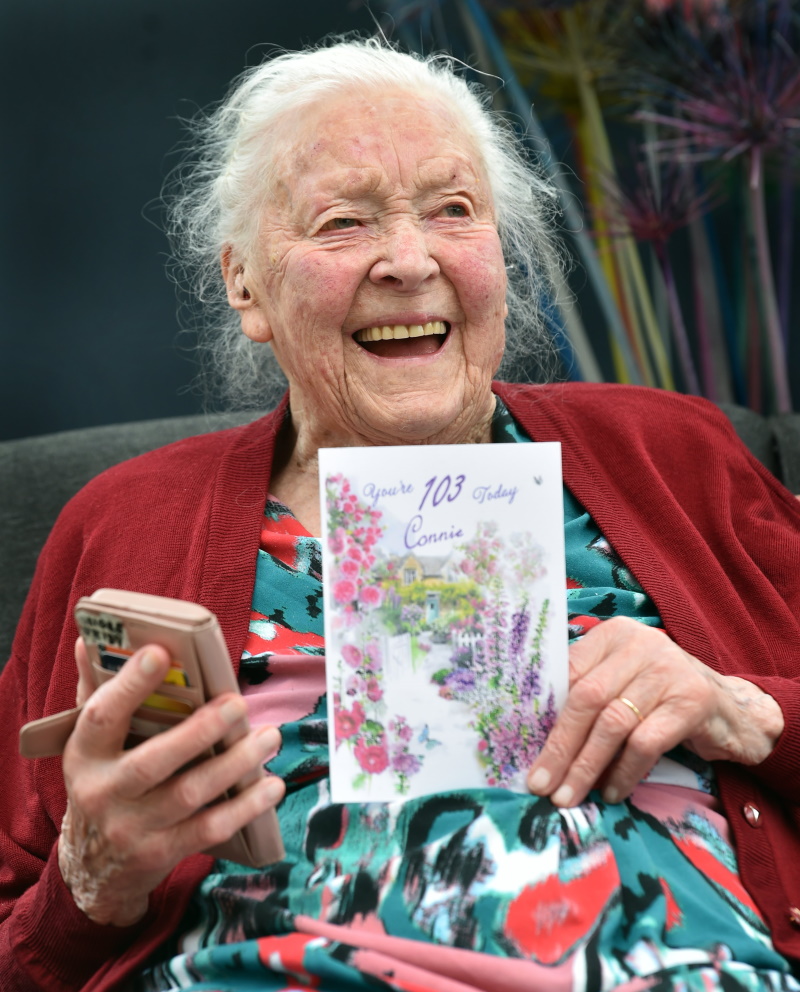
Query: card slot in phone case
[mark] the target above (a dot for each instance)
(182, 694)
(162, 718)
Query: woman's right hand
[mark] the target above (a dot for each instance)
(132, 815)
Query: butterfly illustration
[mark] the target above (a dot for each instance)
(426, 739)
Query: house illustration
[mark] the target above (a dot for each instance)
(426, 568)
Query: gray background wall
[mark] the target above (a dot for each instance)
(92, 92)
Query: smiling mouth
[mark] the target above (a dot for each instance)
(403, 340)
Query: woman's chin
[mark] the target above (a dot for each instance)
(419, 415)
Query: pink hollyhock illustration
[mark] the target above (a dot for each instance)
(404, 732)
(354, 531)
(348, 722)
(352, 655)
(350, 568)
(371, 596)
(356, 685)
(344, 590)
(374, 654)
(336, 541)
(373, 758)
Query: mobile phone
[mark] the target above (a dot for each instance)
(114, 624)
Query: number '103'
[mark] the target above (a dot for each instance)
(442, 489)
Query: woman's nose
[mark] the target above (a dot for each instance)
(405, 262)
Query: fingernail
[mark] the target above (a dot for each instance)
(539, 781)
(611, 795)
(232, 710)
(272, 788)
(149, 663)
(269, 738)
(563, 796)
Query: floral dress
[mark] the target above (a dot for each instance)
(480, 889)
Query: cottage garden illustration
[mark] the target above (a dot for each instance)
(460, 635)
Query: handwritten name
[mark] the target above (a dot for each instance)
(485, 494)
(414, 539)
(375, 493)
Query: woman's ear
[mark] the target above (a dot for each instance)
(243, 298)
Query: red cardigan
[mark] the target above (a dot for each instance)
(709, 533)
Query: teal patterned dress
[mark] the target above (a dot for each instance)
(482, 889)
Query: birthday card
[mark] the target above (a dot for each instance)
(445, 615)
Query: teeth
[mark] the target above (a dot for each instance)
(399, 331)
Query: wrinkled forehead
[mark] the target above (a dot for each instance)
(353, 143)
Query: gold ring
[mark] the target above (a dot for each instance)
(631, 706)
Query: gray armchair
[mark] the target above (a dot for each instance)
(38, 475)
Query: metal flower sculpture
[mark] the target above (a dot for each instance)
(572, 54)
(735, 92)
(658, 202)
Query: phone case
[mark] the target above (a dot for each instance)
(113, 625)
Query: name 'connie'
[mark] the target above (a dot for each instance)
(413, 538)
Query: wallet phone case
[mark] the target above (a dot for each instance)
(114, 624)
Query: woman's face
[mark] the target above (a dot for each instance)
(380, 224)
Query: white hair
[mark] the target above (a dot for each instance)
(215, 199)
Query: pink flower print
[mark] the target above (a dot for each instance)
(348, 722)
(406, 763)
(336, 541)
(373, 758)
(349, 568)
(344, 591)
(355, 552)
(352, 655)
(370, 596)
(356, 686)
(374, 691)
(405, 733)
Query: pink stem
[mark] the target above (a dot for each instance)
(690, 379)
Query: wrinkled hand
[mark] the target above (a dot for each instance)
(133, 815)
(598, 740)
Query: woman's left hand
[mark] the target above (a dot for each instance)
(633, 696)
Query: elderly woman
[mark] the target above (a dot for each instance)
(370, 216)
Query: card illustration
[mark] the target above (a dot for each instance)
(445, 615)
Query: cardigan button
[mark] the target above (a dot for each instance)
(752, 814)
(794, 915)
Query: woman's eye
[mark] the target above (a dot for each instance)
(340, 224)
(455, 210)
